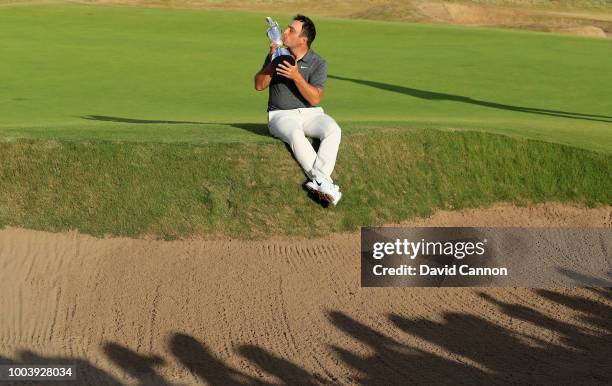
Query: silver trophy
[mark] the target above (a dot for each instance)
(275, 35)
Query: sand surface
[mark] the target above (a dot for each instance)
(288, 311)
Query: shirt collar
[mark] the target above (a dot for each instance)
(307, 57)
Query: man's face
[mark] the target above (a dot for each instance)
(291, 35)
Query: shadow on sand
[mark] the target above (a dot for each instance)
(467, 348)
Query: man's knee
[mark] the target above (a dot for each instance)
(331, 127)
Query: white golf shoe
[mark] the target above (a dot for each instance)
(325, 190)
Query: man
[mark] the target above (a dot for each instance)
(294, 91)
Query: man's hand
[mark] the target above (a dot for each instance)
(288, 71)
(273, 47)
(311, 93)
(264, 76)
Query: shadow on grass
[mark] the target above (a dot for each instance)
(432, 95)
(255, 128)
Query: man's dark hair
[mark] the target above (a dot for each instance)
(308, 28)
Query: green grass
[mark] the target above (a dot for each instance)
(64, 64)
(252, 190)
(132, 121)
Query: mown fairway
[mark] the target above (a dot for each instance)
(134, 121)
(118, 73)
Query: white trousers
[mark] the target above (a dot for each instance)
(292, 126)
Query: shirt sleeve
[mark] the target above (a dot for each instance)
(319, 75)
(266, 61)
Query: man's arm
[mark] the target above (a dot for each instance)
(312, 92)
(264, 76)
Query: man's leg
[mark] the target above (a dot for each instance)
(287, 126)
(317, 124)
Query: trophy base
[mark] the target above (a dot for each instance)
(279, 59)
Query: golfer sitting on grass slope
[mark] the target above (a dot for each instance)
(294, 91)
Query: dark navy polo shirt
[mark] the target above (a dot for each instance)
(283, 94)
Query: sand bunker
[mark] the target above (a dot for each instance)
(585, 22)
(287, 311)
(584, 31)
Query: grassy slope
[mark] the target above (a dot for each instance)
(254, 190)
(70, 62)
